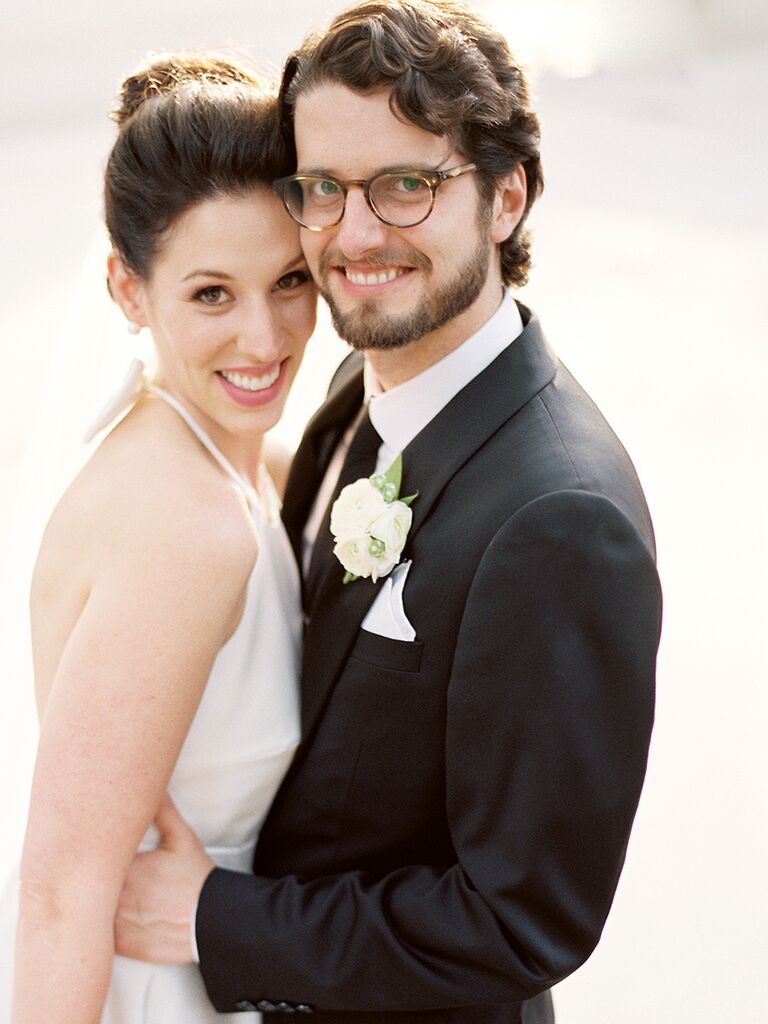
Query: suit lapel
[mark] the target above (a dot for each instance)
(450, 440)
(476, 413)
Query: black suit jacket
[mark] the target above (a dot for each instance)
(448, 840)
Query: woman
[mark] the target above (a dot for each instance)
(165, 604)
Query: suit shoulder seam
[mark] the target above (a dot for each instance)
(563, 445)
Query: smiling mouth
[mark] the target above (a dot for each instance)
(375, 277)
(251, 382)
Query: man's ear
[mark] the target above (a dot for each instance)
(126, 288)
(508, 204)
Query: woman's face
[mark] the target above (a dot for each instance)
(230, 305)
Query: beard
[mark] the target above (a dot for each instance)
(367, 327)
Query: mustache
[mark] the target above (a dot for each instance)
(380, 258)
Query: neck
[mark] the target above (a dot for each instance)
(395, 366)
(246, 456)
(243, 453)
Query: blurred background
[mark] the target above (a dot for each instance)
(650, 249)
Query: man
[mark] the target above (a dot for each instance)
(448, 841)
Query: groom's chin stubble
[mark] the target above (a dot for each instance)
(366, 328)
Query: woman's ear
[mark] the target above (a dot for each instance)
(508, 204)
(126, 288)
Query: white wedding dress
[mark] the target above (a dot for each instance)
(236, 753)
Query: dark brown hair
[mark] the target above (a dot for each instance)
(191, 127)
(450, 73)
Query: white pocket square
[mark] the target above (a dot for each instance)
(386, 616)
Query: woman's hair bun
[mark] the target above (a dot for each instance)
(167, 72)
(192, 126)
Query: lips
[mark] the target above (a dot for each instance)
(363, 280)
(247, 380)
(252, 387)
(370, 278)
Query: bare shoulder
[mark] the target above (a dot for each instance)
(277, 458)
(149, 495)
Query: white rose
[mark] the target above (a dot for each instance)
(355, 555)
(358, 505)
(392, 528)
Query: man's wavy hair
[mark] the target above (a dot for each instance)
(450, 73)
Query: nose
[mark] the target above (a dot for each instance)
(360, 230)
(259, 332)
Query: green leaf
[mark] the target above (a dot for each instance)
(349, 577)
(394, 474)
(409, 499)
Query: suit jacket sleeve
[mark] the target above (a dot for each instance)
(549, 712)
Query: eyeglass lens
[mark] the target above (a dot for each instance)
(400, 199)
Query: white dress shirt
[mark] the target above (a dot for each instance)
(402, 412)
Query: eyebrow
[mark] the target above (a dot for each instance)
(417, 165)
(293, 263)
(228, 277)
(207, 273)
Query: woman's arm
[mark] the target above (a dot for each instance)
(165, 592)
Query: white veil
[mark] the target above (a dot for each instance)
(87, 362)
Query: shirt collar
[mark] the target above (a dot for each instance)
(402, 412)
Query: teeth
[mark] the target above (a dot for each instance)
(251, 383)
(377, 278)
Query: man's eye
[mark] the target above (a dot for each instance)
(213, 295)
(325, 189)
(295, 279)
(408, 183)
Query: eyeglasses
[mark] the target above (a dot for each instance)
(401, 199)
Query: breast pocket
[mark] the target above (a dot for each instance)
(383, 652)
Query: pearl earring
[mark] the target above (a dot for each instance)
(133, 327)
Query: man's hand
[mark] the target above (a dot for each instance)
(155, 914)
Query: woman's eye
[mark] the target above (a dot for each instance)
(213, 295)
(292, 280)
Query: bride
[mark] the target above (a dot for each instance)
(165, 598)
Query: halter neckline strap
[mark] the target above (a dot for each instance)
(202, 437)
(264, 496)
(134, 385)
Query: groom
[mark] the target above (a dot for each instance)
(448, 840)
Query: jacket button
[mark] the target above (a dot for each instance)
(265, 1006)
(285, 1008)
(304, 1008)
(244, 1004)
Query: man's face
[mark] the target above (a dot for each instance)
(388, 286)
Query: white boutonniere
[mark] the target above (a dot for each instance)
(370, 524)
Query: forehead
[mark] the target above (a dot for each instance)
(229, 232)
(355, 135)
